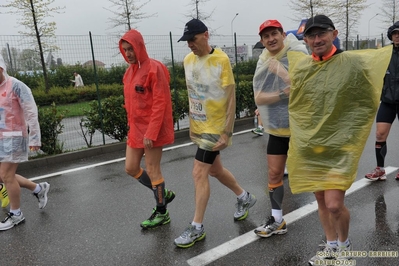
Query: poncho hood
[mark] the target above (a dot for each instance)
(137, 42)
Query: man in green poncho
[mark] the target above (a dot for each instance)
(333, 101)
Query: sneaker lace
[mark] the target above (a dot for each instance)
(270, 221)
(241, 203)
(187, 232)
(8, 216)
(324, 247)
(377, 172)
(153, 215)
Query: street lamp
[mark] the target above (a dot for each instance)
(368, 33)
(232, 34)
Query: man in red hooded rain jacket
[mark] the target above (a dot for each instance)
(149, 114)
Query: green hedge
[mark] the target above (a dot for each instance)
(62, 76)
(60, 95)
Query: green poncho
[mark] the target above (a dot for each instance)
(331, 110)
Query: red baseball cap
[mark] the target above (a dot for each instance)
(268, 24)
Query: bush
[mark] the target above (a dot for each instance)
(245, 97)
(50, 127)
(246, 67)
(113, 114)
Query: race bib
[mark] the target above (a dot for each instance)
(197, 110)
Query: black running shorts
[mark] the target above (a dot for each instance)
(206, 156)
(277, 145)
(387, 112)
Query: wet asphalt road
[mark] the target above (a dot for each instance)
(94, 212)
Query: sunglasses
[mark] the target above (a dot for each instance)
(319, 34)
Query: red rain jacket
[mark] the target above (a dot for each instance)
(147, 97)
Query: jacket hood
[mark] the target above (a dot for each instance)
(137, 42)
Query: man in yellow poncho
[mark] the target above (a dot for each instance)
(333, 101)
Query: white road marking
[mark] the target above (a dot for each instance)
(76, 169)
(249, 237)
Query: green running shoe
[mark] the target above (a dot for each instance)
(156, 219)
(169, 196)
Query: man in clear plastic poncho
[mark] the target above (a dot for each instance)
(333, 101)
(271, 86)
(211, 92)
(18, 113)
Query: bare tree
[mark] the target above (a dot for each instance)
(308, 8)
(195, 11)
(348, 16)
(127, 13)
(33, 17)
(389, 11)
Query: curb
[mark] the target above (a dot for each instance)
(103, 149)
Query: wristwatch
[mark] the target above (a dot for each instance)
(282, 95)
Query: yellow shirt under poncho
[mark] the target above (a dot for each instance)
(331, 110)
(211, 93)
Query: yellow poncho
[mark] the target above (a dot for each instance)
(331, 110)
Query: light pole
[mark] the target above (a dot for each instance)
(232, 34)
(368, 32)
(311, 9)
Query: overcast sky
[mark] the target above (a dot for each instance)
(82, 16)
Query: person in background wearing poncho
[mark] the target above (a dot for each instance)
(211, 92)
(78, 80)
(333, 101)
(18, 114)
(271, 86)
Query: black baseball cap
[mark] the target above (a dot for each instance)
(319, 21)
(192, 28)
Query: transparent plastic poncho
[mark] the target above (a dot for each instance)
(271, 77)
(332, 107)
(211, 93)
(19, 125)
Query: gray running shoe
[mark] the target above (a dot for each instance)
(326, 252)
(42, 195)
(271, 228)
(11, 220)
(190, 236)
(243, 207)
